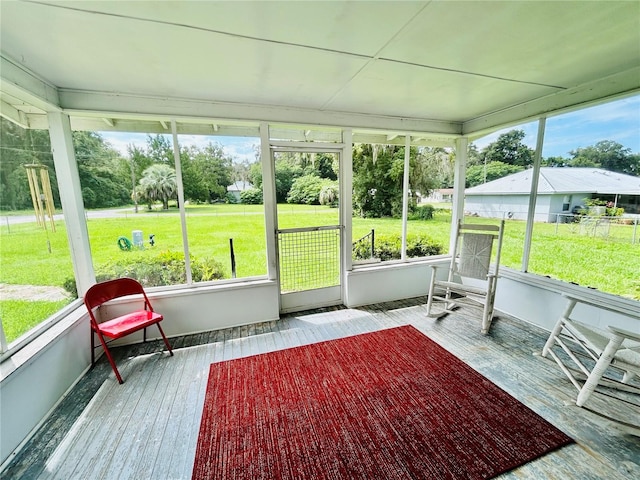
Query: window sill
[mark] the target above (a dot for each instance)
(391, 264)
(610, 301)
(13, 359)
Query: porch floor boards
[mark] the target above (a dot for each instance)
(147, 428)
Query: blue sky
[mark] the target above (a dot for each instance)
(618, 121)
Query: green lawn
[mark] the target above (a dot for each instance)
(30, 255)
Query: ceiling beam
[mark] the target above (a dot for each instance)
(19, 82)
(77, 102)
(14, 115)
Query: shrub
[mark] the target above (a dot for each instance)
(251, 196)
(422, 212)
(361, 251)
(388, 247)
(306, 190)
(422, 246)
(166, 268)
(612, 211)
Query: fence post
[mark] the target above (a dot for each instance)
(233, 259)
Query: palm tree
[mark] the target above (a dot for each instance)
(158, 182)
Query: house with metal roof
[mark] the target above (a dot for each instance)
(236, 188)
(561, 191)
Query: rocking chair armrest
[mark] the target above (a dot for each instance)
(624, 333)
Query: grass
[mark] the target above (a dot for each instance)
(30, 255)
(20, 316)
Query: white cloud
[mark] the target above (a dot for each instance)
(121, 140)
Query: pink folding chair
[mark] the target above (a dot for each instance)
(123, 325)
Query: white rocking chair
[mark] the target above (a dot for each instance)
(594, 360)
(471, 264)
(593, 353)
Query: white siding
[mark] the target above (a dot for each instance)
(506, 206)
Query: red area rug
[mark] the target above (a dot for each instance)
(385, 405)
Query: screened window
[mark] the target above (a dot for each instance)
(224, 206)
(378, 171)
(135, 224)
(35, 261)
(498, 180)
(431, 171)
(130, 198)
(591, 164)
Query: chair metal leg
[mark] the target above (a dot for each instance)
(166, 342)
(93, 348)
(110, 358)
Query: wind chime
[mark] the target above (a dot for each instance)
(41, 196)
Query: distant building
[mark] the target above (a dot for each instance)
(439, 196)
(237, 188)
(560, 191)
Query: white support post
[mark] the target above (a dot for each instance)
(183, 215)
(533, 194)
(345, 175)
(405, 194)
(70, 190)
(269, 201)
(459, 180)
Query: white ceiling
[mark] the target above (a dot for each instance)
(442, 66)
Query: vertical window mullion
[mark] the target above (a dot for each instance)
(533, 195)
(183, 216)
(405, 194)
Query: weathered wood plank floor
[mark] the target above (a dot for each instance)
(147, 428)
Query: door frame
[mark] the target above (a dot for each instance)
(320, 297)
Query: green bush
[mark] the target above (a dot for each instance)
(306, 190)
(388, 247)
(422, 246)
(362, 251)
(614, 211)
(166, 268)
(422, 212)
(251, 196)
